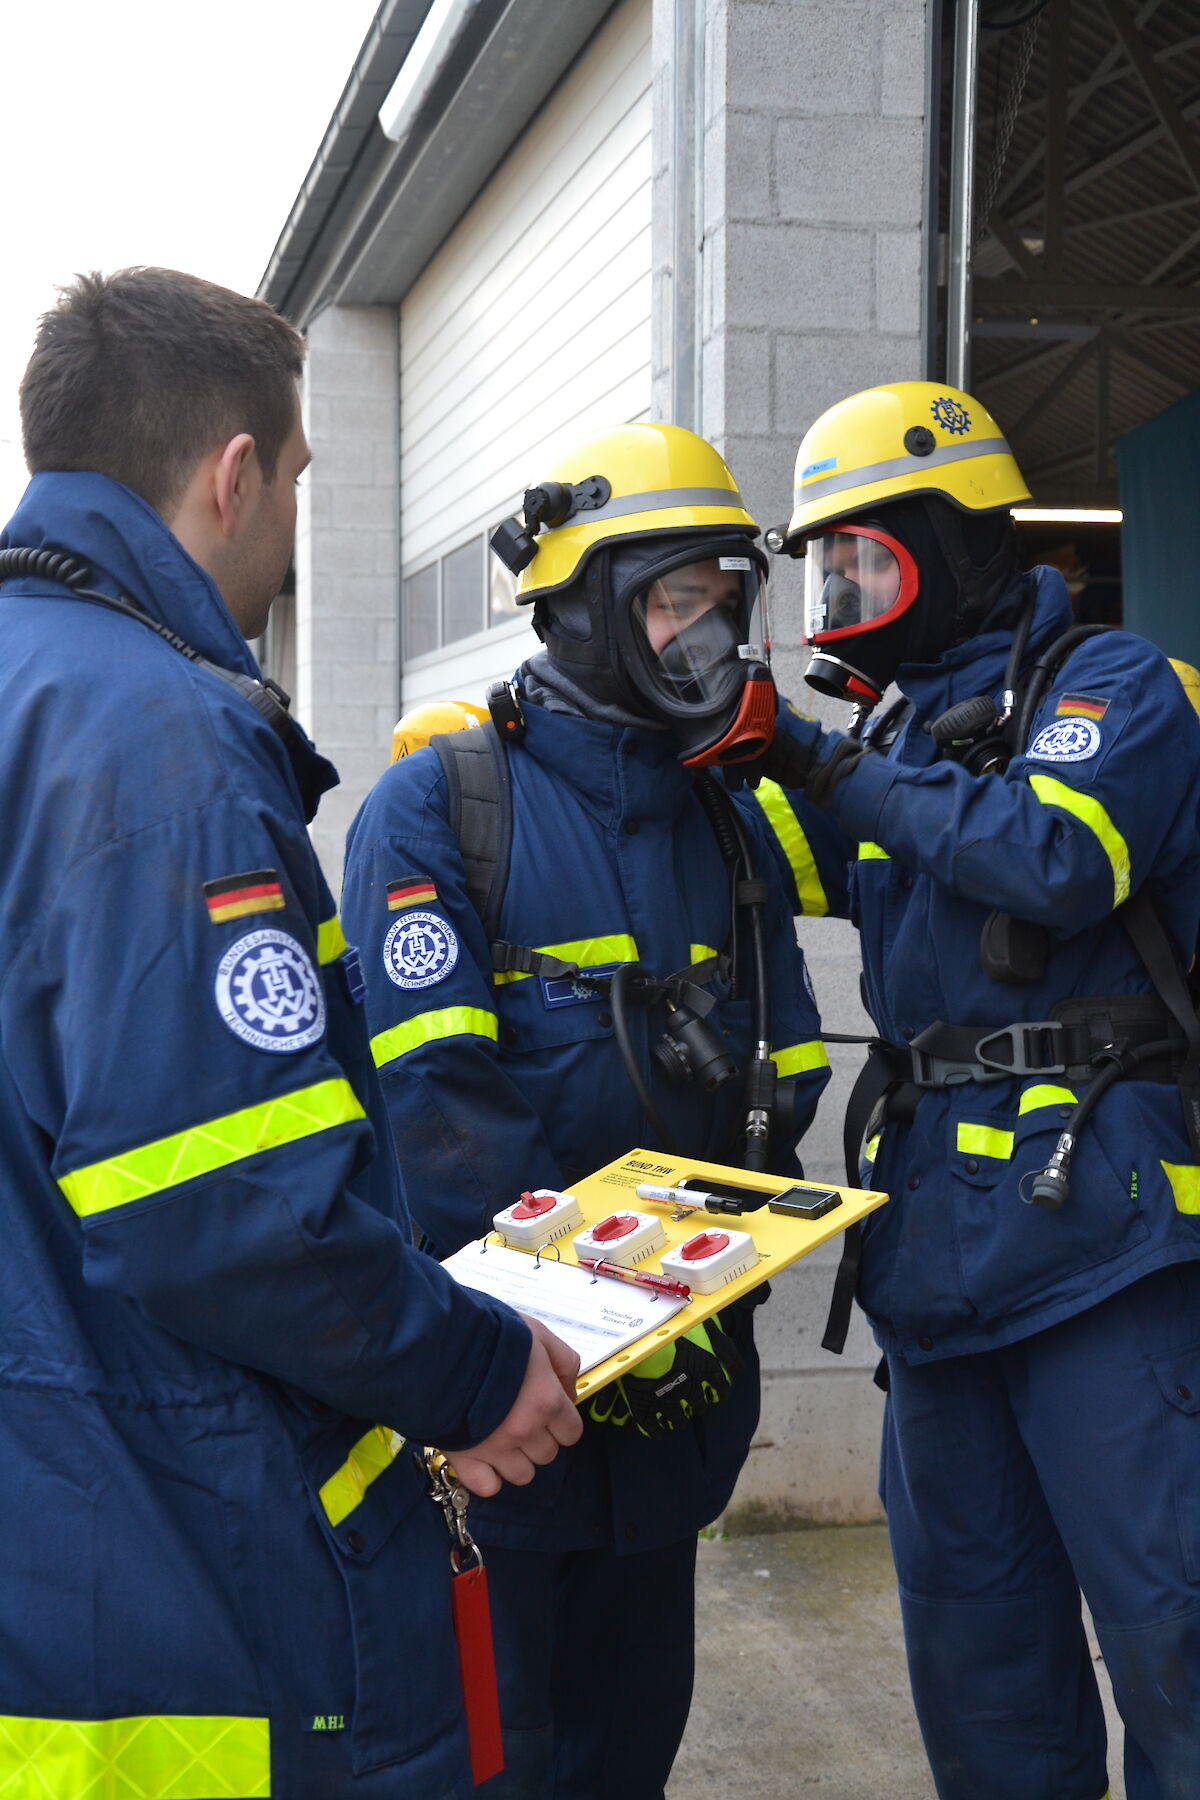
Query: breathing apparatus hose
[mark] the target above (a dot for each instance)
(751, 893)
(1051, 1185)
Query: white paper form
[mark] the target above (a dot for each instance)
(596, 1317)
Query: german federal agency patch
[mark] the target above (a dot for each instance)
(1080, 706)
(410, 890)
(1066, 741)
(419, 950)
(235, 896)
(268, 993)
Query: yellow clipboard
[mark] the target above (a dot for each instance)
(779, 1240)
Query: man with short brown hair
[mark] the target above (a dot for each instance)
(216, 1341)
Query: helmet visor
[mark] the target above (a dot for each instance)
(696, 627)
(855, 577)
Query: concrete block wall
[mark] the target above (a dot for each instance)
(348, 558)
(810, 149)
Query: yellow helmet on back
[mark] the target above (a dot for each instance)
(414, 729)
(632, 482)
(910, 437)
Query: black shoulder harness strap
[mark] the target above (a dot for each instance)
(480, 791)
(479, 787)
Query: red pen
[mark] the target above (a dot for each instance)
(658, 1284)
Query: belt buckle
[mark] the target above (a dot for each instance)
(1024, 1046)
(929, 1071)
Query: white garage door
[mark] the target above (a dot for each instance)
(529, 330)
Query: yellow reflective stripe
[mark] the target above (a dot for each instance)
(871, 1148)
(331, 941)
(701, 953)
(371, 1455)
(1089, 812)
(165, 1163)
(166, 1756)
(588, 953)
(985, 1140)
(797, 1059)
(1046, 1095)
(426, 1028)
(1185, 1185)
(872, 853)
(795, 846)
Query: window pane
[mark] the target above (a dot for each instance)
(462, 591)
(421, 612)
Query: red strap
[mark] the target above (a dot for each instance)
(477, 1670)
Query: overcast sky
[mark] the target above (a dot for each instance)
(152, 131)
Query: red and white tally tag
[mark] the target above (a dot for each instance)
(477, 1670)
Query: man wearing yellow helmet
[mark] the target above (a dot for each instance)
(618, 1000)
(1021, 828)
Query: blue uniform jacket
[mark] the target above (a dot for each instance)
(1104, 799)
(221, 1574)
(498, 1085)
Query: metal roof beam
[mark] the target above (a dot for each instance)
(1080, 296)
(1079, 98)
(1013, 245)
(1186, 143)
(1054, 388)
(1054, 164)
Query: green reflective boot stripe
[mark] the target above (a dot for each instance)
(160, 1757)
(795, 846)
(587, 953)
(797, 1059)
(872, 853)
(427, 1028)
(1089, 812)
(1185, 1185)
(345, 1488)
(984, 1140)
(153, 1168)
(331, 940)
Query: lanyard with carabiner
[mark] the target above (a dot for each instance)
(472, 1621)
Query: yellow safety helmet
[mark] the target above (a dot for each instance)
(910, 437)
(627, 483)
(414, 729)
(1190, 678)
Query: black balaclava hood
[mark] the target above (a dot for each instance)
(577, 622)
(964, 560)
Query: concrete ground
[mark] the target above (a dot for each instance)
(801, 1685)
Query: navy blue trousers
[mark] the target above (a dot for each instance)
(595, 1659)
(1012, 1480)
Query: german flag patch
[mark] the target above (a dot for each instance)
(1080, 706)
(234, 896)
(410, 890)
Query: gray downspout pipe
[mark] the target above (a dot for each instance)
(962, 193)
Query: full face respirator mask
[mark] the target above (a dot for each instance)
(692, 641)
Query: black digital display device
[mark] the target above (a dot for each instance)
(805, 1202)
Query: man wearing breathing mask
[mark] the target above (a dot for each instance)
(599, 990)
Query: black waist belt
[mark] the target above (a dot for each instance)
(1066, 1044)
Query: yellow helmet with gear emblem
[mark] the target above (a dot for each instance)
(633, 482)
(414, 729)
(910, 437)
(1190, 677)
